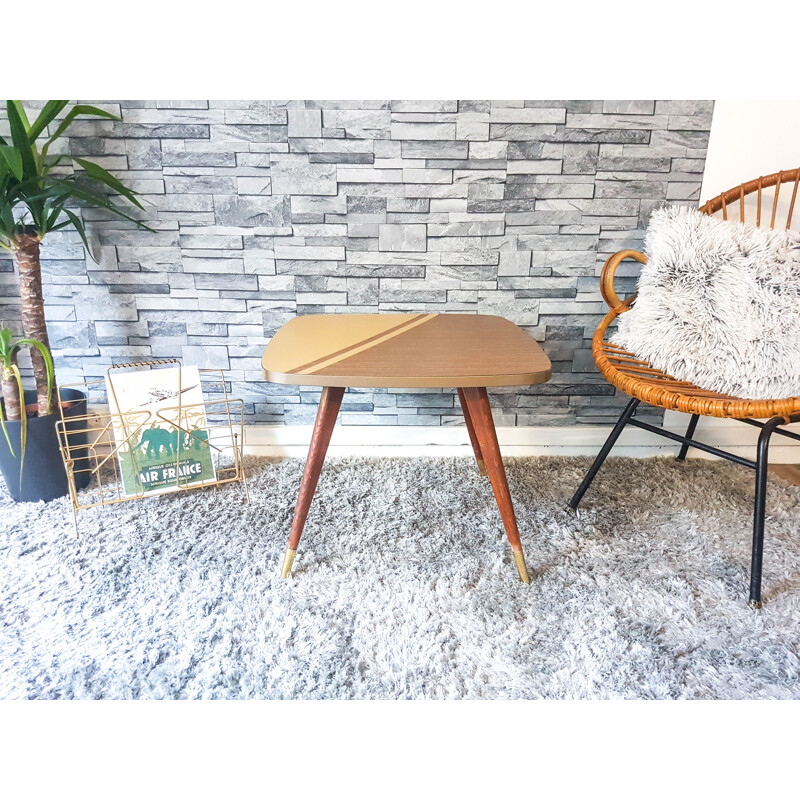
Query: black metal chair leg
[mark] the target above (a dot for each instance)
(603, 454)
(759, 509)
(689, 434)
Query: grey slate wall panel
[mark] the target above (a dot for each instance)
(268, 209)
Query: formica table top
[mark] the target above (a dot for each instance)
(404, 351)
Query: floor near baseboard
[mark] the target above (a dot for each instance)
(789, 472)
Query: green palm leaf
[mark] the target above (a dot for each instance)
(78, 225)
(103, 176)
(51, 110)
(5, 344)
(23, 424)
(99, 201)
(13, 159)
(22, 115)
(75, 111)
(19, 137)
(6, 360)
(48, 362)
(5, 433)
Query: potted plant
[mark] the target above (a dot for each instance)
(39, 192)
(14, 400)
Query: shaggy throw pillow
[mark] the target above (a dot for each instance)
(718, 305)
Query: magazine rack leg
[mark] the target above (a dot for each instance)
(323, 428)
(238, 449)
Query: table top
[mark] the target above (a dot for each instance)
(404, 351)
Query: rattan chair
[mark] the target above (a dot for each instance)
(644, 384)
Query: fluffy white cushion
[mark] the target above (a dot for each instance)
(718, 305)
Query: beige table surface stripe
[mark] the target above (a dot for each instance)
(321, 340)
(365, 344)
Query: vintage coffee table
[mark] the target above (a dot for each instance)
(463, 351)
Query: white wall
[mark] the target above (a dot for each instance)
(750, 138)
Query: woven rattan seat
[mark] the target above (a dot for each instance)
(645, 384)
(638, 378)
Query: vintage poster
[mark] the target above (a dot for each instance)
(160, 429)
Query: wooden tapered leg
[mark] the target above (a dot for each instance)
(329, 404)
(471, 430)
(481, 413)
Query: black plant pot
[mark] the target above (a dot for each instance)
(43, 473)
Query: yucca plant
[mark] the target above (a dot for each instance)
(39, 195)
(13, 392)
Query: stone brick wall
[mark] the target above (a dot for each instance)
(264, 210)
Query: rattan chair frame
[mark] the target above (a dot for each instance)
(645, 384)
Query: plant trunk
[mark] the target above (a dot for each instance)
(11, 399)
(32, 305)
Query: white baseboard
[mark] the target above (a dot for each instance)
(576, 440)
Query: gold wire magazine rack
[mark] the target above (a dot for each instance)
(91, 443)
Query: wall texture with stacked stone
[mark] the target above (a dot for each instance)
(266, 209)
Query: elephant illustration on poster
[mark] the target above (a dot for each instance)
(196, 439)
(154, 440)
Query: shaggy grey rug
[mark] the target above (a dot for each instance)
(404, 587)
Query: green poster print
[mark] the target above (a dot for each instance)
(164, 457)
(160, 429)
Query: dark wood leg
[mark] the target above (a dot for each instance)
(481, 415)
(471, 431)
(329, 404)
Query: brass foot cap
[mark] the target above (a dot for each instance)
(756, 604)
(519, 558)
(482, 468)
(288, 560)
